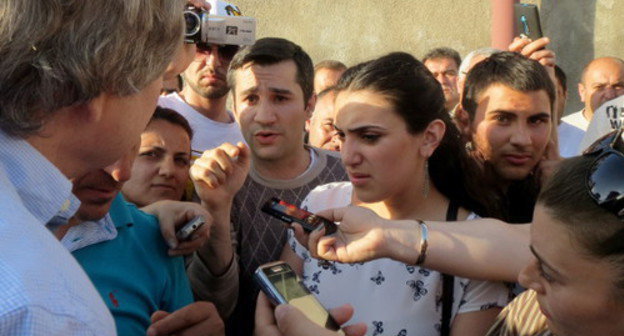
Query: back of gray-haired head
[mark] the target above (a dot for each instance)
(464, 67)
(58, 53)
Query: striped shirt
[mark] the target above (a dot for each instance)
(43, 290)
(522, 317)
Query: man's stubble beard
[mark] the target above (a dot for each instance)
(210, 92)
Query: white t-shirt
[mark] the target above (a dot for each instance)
(392, 298)
(207, 133)
(608, 117)
(576, 119)
(571, 132)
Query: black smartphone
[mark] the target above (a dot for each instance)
(186, 231)
(290, 213)
(528, 21)
(281, 285)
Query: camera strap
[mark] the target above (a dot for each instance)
(448, 281)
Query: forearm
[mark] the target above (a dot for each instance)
(214, 273)
(218, 252)
(484, 249)
(221, 290)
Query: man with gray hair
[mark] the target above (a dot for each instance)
(80, 80)
(443, 64)
(469, 61)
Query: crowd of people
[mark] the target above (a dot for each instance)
(467, 203)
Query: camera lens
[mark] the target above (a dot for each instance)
(193, 23)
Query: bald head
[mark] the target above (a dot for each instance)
(601, 81)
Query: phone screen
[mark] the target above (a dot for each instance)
(291, 210)
(287, 284)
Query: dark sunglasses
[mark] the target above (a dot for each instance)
(226, 52)
(605, 180)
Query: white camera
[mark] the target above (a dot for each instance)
(202, 28)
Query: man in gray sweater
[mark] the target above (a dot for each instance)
(272, 88)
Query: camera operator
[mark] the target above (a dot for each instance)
(203, 98)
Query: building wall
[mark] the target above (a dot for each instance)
(356, 30)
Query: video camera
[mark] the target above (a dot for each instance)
(228, 28)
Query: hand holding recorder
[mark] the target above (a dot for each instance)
(172, 216)
(289, 213)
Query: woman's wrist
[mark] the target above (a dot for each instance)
(402, 241)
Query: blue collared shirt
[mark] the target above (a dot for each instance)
(133, 272)
(43, 290)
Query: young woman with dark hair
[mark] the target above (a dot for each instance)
(405, 161)
(572, 261)
(161, 169)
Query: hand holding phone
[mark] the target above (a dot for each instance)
(281, 285)
(186, 231)
(289, 213)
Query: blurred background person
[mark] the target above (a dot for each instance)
(561, 85)
(601, 81)
(161, 169)
(444, 65)
(320, 126)
(326, 74)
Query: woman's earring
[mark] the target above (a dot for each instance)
(469, 147)
(426, 179)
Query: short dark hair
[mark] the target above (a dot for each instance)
(331, 65)
(509, 69)
(443, 52)
(348, 75)
(173, 117)
(272, 50)
(598, 231)
(561, 78)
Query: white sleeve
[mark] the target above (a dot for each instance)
(481, 295)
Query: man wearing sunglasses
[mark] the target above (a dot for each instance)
(203, 98)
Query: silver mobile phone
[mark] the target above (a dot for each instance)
(189, 228)
(280, 283)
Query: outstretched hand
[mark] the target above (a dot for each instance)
(360, 236)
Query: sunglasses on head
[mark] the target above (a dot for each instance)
(605, 180)
(225, 52)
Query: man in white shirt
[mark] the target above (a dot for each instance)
(203, 99)
(74, 98)
(602, 80)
